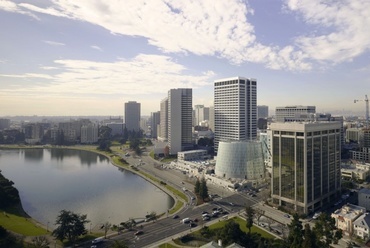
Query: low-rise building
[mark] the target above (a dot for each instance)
(192, 155)
(345, 217)
(361, 226)
(356, 171)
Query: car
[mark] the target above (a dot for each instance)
(192, 224)
(205, 218)
(138, 233)
(175, 216)
(195, 220)
(286, 215)
(232, 204)
(214, 209)
(204, 212)
(193, 198)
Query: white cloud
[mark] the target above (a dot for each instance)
(346, 33)
(209, 27)
(96, 48)
(221, 28)
(53, 43)
(144, 74)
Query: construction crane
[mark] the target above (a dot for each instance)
(367, 110)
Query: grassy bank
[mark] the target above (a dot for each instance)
(13, 220)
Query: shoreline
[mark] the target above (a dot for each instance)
(110, 157)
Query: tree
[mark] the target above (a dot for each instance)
(325, 231)
(250, 212)
(70, 226)
(309, 238)
(152, 216)
(258, 213)
(203, 189)
(39, 242)
(197, 186)
(107, 227)
(295, 237)
(230, 233)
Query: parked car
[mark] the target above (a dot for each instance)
(175, 216)
(139, 233)
(287, 215)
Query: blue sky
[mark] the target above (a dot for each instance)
(89, 57)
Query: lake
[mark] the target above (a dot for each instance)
(50, 180)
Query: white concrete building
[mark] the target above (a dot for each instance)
(192, 155)
(235, 109)
(346, 216)
(294, 113)
(163, 134)
(361, 226)
(180, 120)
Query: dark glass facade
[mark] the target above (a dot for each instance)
(305, 166)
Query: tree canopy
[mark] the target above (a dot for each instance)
(70, 226)
(203, 189)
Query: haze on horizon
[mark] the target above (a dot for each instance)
(59, 58)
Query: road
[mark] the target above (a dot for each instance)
(167, 227)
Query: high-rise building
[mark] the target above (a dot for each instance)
(262, 111)
(4, 123)
(154, 123)
(294, 113)
(201, 114)
(89, 134)
(211, 122)
(180, 120)
(305, 164)
(235, 109)
(132, 116)
(163, 134)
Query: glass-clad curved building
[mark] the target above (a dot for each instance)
(240, 159)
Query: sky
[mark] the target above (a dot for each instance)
(89, 57)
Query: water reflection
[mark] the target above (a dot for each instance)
(33, 154)
(63, 181)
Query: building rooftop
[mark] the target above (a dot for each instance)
(349, 211)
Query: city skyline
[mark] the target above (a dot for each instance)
(89, 58)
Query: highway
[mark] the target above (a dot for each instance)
(167, 227)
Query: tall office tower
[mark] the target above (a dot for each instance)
(132, 116)
(262, 111)
(305, 164)
(163, 134)
(89, 134)
(180, 120)
(235, 109)
(294, 113)
(154, 122)
(201, 113)
(4, 123)
(196, 114)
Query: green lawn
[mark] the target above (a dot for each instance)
(21, 225)
(196, 236)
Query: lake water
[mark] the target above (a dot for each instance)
(50, 180)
